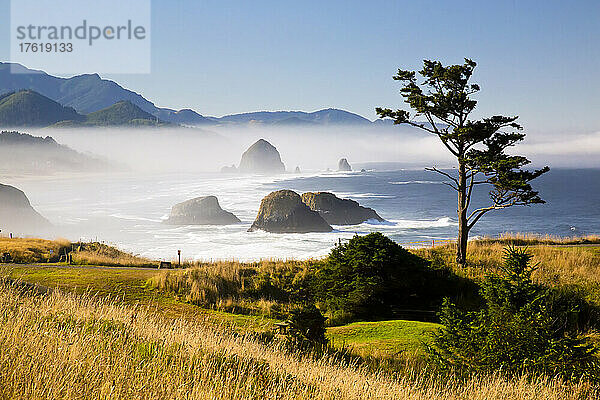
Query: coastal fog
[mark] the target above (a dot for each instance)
(310, 148)
(209, 149)
(158, 168)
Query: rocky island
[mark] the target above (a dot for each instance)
(263, 158)
(201, 211)
(338, 211)
(284, 212)
(343, 165)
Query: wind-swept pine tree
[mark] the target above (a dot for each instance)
(444, 99)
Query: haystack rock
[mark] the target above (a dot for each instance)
(201, 211)
(17, 214)
(338, 211)
(284, 212)
(263, 158)
(343, 165)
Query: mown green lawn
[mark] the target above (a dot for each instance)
(387, 338)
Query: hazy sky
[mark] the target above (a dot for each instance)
(537, 59)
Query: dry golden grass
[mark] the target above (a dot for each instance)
(558, 264)
(23, 250)
(224, 285)
(86, 257)
(102, 254)
(34, 250)
(67, 346)
(522, 239)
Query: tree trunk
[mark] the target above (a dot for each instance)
(463, 228)
(463, 238)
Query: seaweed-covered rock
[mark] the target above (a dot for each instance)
(338, 211)
(263, 158)
(201, 211)
(284, 212)
(343, 165)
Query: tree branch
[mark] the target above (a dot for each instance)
(430, 119)
(448, 147)
(470, 190)
(434, 169)
(477, 214)
(416, 125)
(451, 185)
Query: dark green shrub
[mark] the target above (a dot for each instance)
(522, 327)
(372, 277)
(307, 324)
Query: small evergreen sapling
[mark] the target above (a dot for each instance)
(517, 330)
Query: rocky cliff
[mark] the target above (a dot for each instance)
(16, 213)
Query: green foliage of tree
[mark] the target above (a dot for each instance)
(445, 100)
(519, 329)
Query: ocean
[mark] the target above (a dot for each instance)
(127, 210)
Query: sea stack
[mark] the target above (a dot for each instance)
(343, 165)
(262, 158)
(17, 214)
(284, 212)
(229, 170)
(338, 211)
(201, 211)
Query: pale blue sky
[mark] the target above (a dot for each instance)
(537, 59)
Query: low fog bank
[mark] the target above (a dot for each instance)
(189, 150)
(310, 148)
(29, 159)
(24, 154)
(564, 151)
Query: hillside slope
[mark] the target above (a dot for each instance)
(23, 153)
(29, 108)
(121, 113)
(89, 93)
(329, 116)
(85, 93)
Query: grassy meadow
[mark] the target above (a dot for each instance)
(110, 329)
(33, 250)
(66, 345)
